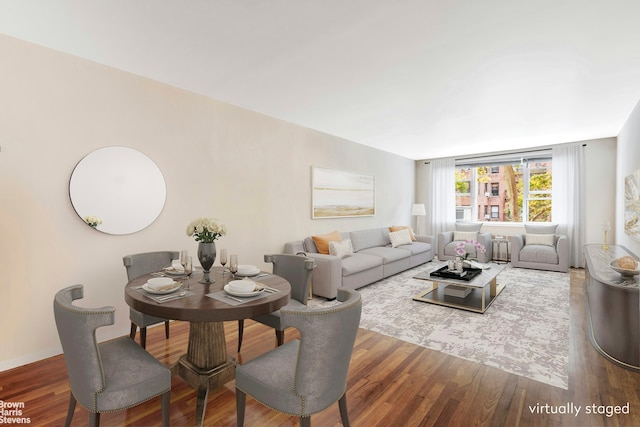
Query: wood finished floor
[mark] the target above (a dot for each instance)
(391, 383)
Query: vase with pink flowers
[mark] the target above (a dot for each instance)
(464, 250)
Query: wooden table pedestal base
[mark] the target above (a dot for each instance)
(204, 368)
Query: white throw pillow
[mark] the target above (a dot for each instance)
(539, 239)
(401, 237)
(341, 249)
(465, 235)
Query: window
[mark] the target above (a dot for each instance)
(504, 189)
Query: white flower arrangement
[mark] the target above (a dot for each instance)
(206, 230)
(92, 221)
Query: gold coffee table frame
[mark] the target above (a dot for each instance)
(484, 289)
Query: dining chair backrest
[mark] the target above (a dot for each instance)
(76, 328)
(295, 269)
(148, 262)
(327, 339)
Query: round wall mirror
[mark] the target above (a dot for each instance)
(117, 190)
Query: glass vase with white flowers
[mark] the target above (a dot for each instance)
(206, 231)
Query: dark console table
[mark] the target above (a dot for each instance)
(613, 307)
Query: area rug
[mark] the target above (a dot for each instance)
(525, 331)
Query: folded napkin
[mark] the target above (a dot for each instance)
(165, 287)
(231, 300)
(175, 266)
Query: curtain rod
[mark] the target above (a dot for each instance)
(506, 153)
(503, 154)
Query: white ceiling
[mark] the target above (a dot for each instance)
(422, 79)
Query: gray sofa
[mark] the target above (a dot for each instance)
(373, 259)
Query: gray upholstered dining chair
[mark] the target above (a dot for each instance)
(109, 376)
(297, 270)
(306, 376)
(137, 265)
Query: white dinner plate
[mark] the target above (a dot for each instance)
(228, 290)
(175, 287)
(247, 270)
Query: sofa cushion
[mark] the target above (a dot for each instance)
(469, 226)
(368, 239)
(417, 247)
(400, 237)
(465, 235)
(539, 254)
(341, 249)
(387, 254)
(540, 228)
(322, 241)
(403, 227)
(359, 262)
(539, 239)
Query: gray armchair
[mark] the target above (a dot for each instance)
(449, 240)
(137, 265)
(306, 376)
(540, 249)
(110, 376)
(297, 270)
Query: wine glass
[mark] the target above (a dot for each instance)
(233, 265)
(188, 269)
(223, 259)
(183, 257)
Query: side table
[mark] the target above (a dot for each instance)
(501, 257)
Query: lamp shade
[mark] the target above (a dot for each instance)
(418, 209)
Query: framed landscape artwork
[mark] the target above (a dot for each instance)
(632, 205)
(338, 194)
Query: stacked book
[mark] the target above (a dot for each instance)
(457, 291)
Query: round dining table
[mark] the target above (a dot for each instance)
(206, 365)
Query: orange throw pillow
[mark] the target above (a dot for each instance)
(403, 227)
(322, 242)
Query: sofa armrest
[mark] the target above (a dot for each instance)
(424, 239)
(485, 240)
(327, 276)
(562, 247)
(517, 243)
(444, 239)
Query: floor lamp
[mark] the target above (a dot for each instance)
(418, 210)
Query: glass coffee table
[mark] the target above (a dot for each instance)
(476, 294)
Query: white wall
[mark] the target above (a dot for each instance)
(250, 171)
(628, 162)
(600, 182)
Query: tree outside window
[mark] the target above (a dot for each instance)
(507, 192)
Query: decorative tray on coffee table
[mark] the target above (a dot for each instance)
(467, 274)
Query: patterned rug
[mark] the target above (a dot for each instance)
(525, 331)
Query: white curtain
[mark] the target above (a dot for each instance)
(568, 197)
(441, 198)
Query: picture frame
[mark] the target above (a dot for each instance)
(339, 194)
